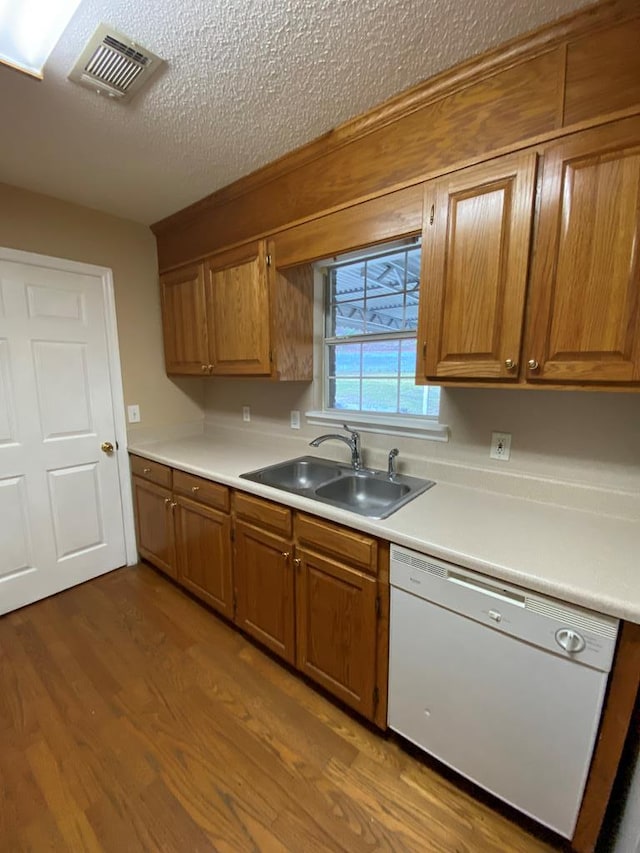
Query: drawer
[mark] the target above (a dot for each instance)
(154, 471)
(199, 489)
(263, 513)
(339, 542)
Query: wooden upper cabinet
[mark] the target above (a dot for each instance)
(184, 320)
(476, 237)
(238, 312)
(584, 311)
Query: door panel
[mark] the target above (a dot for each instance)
(154, 524)
(336, 627)
(585, 287)
(265, 588)
(184, 320)
(75, 508)
(204, 554)
(55, 410)
(238, 313)
(475, 259)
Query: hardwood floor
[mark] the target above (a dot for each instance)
(133, 719)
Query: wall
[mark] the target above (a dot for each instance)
(578, 437)
(48, 226)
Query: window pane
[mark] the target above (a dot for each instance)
(386, 274)
(344, 394)
(344, 360)
(419, 399)
(346, 318)
(380, 358)
(379, 395)
(347, 282)
(384, 313)
(408, 358)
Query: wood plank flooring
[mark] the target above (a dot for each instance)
(132, 719)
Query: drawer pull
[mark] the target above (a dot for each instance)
(146, 470)
(195, 489)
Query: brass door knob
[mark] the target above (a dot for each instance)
(106, 447)
(510, 364)
(532, 364)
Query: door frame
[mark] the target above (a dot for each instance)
(105, 274)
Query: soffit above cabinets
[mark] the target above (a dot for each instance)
(243, 84)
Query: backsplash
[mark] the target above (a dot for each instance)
(587, 439)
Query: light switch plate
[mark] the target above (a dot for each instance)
(133, 414)
(295, 419)
(246, 414)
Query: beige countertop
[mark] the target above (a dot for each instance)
(583, 557)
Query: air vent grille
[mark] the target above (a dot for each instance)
(418, 563)
(113, 64)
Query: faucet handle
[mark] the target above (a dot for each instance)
(391, 470)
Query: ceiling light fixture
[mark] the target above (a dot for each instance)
(30, 29)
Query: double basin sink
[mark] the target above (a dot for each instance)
(364, 491)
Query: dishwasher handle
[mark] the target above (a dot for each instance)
(486, 589)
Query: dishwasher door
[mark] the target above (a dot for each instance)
(517, 719)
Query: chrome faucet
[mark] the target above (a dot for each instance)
(391, 467)
(353, 442)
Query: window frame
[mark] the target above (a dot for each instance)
(387, 423)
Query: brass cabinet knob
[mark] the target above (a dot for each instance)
(173, 504)
(297, 562)
(204, 368)
(167, 501)
(106, 447)
(510, 364)
(286, 555)
(209, 367)
(146, 470)
(195, 489)
(532, 364)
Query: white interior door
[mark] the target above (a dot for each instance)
(61, 518)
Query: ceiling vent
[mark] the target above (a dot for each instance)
(114, 65)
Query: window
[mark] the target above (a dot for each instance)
(371, 318)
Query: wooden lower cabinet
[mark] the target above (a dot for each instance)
(336, 614)
(265, 588)
(154, 524)
(203, 540)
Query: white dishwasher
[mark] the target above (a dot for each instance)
(502, 685)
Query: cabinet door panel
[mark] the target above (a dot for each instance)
(204, 554)
(154, 524)
(336, 627)
(265, 588)
(476, 239)
(585, 287)
(184, 321)
(238, 316)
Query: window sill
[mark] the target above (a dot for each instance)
(423, 428)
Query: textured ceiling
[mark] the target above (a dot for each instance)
(245, 82)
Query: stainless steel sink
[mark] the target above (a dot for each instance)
(366, 492)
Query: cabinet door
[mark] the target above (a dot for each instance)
(203, 538)
(184, 321)
(336, 627)
(154, 524)
(477, 229)
(238, 316)
(585, 286)
(265, 588)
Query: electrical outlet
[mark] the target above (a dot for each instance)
(246, 414)
(133, 414)
(295, 419)
(500, 446)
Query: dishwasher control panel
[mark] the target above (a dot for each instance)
(563, 629)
